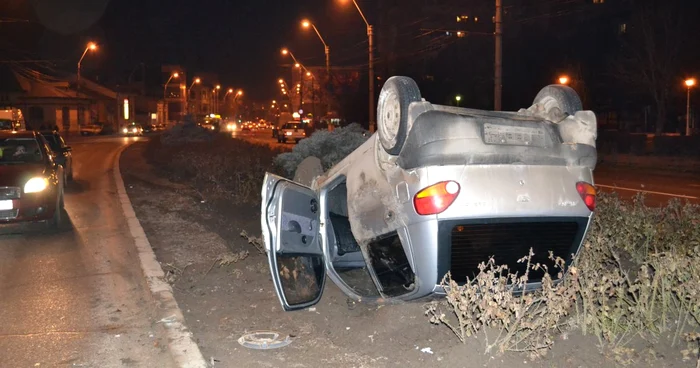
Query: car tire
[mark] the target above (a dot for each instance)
(392, 112)
(556, 96)
(297, 141)
(56, 221)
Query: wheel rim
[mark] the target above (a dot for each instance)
(391, 117)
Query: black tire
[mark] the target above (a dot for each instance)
(297, 141)
(392, 112)
(560, 97)
(56, 221)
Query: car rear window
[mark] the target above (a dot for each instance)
(53, 141)
(19, 151)
(291, 126)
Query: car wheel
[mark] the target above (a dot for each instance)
(558, 101)
(392, 112)
(297, 141)
(57, 220)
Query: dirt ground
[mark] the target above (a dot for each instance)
(223, 302)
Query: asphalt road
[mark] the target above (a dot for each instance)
(658, 186)
(77, 297)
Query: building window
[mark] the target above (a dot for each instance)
(623, 28)
(598, 1)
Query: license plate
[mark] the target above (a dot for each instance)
(513, 135)
(6, 205)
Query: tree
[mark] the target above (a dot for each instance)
(649, 56)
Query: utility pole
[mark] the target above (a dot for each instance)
(372, 122)
(328, 80)
(498, 64)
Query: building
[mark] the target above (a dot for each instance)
(50, 99)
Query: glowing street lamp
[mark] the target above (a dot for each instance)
(195, 81)
(307, 24)
(91, 46)
(564, 80)
(458, 98)
(690, 82)
(174, 75)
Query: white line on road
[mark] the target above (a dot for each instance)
(182, 347)
(647, 191)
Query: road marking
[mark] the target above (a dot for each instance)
(183, 349)
(647, 191)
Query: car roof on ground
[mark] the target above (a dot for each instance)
(17, 134)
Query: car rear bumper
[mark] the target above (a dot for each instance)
(458, 246)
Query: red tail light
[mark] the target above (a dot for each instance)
(436, 198)
(587, 193)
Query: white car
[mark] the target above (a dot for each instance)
(292, 130)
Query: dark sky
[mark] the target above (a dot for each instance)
(239, 40)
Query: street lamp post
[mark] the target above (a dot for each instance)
(216, 98)
(564, 80)
(165, 102)
(297, 64)
(306, 24)
(371, 68)
(690, 82)
(195, 81)
(458, 98)
(90, 46)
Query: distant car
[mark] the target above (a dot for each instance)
(63, 152)
(91, 129)
(133, 129)
(436, 189)
(31, 181)
(293, 130)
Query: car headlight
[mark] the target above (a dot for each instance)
(35, 185)
(126, 130)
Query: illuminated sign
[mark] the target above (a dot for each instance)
(126, 109)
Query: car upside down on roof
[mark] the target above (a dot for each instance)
(436, 189)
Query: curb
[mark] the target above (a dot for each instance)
(183, 349)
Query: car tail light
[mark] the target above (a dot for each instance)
(436, 198)
(587, 193)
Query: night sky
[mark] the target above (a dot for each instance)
(239, 40)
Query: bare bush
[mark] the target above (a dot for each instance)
(638, 275)
(223, 168)
(187, 131)
(330, 147)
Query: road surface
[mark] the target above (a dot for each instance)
(658, 186)
(78, 297)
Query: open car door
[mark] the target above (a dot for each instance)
(289, 218)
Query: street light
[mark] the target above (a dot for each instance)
(174, 75)
(91, 46)
(306, 24)
(458, 98)
(371, 68)
(195, 81)
(690, 82)
(564, 80)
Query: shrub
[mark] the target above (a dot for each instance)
(638, 275)
(330, 147)
(220, 168)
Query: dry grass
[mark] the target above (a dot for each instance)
(638, 276)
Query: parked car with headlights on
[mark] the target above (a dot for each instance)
(31, 181)
(436, 189)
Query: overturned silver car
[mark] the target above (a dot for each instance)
(437, 189)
